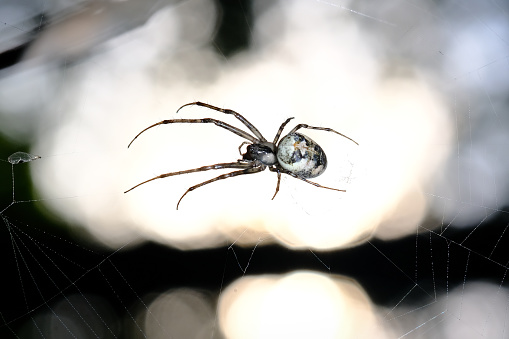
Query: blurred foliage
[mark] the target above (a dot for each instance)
(233, 33)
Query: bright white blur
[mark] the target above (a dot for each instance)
(322, 71)
(297, 305)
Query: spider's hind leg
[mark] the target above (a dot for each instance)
(278, 170)
(275, 169)
(320, 129)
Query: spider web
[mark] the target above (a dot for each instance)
(421, 86)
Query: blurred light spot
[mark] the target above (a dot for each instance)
(78, 316)
(297, 305)
(183, 313)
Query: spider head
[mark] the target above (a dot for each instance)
(263, 152)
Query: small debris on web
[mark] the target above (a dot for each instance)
(21, 157)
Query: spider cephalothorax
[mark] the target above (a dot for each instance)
(265, 153)
(296, 154)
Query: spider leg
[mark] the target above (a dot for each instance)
(244, 143)
(223, 176)
(303, 179)
(201, 121)
(278, 180)
(278, 134)
(229, 111)
(247, 165)
(321, 129)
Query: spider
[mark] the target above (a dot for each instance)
(296, 154)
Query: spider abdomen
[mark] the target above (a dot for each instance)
(302, 156)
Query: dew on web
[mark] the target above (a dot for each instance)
(21, 157)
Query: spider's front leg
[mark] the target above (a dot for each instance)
(219, 123)
(224, 176)
(239, 116)
(199, 169)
